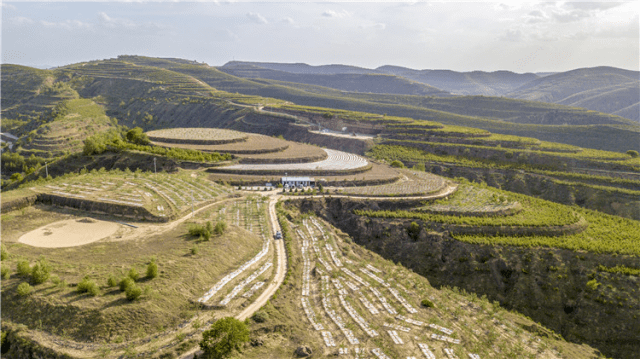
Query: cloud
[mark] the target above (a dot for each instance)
(6, 6)
(597, 6)
(257, 18)
(376, 26)
(335, 14)
(512, 35)
(287, 20)
(20, 20)
(67, 24)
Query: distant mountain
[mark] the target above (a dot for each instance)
(301, 68)
(605, 89)
(346, 81)
(465, 83)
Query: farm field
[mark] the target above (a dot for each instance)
(412, 183)
(346, 301)
(204, 136)
(336, 161)
(377, 174)
(253, 144)
(156, 196)
(236, 261)
(294, 153)
(471, 200)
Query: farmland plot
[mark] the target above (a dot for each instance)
(412, 184)
(472, 200)
(205, 136)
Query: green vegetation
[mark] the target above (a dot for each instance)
(24, 289)
(40, 271)
(152, 269)
(620, 269)
(23, 268)
(225, 336)
(203, 232)
(88, 286)
(427, 303)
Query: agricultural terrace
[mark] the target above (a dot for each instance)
(204, 136)
(362, 306)
(336, 161)
(166, 303)
(158, 195)
(254, 144)
(535, 213)
(377, 174)
(471, 200)
(412, 183)
(294, 153)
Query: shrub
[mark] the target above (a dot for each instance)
(133, 274)
(112, 281)
(88, 286)
(427, 303)
(260, 317)
(593, 284)
(195, 249)
(133, 292)
(633, 153)
(23, 267)
(3, 252)
(24, 289)
(220, 228)
(397, 164)
(152, 270)
(40, 272)
(137, 136)
(197, 230)
(125, 283)
(6, 273)
(413, 231)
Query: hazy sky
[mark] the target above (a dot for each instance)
(462, 36)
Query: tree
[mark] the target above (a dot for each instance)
(40, 271)
(136, 135)
(24, 289)
(220, 228)
(225, 336)
(632, 153)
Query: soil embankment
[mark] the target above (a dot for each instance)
(547, 284)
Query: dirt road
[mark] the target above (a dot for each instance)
(278, 279)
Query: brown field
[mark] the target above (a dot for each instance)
(295, 153)
(252, 145)
(197, 135)
(379, 174)
(412, 183)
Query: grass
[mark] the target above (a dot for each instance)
(473, 200)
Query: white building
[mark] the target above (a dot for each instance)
(298, 181)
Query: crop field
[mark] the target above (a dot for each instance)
(412, 183)
(336, 161)
(360, 306)
(161, 194)
(535, 213)
(254, 144)
(210, 136)
(294, 153)
(471, 200)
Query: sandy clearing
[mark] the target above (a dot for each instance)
(69, 233)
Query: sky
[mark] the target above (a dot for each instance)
(460, 36)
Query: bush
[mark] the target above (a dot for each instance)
(133, 292)
(427, 303)
(633, 153)
(220, 228)
(24, 289)
(3, 253)
(225, 336)
(195, 249)
(397, 164)
(152, 270)
(413, 231)
(197, 230)
(133, 274)
(23, 267)
(137, 136)
(260, 317)
(593, 284)
(125, 283)
(6, 273)
(112, 281)
(88, 286)
(40, 272)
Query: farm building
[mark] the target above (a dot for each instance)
(298, 181)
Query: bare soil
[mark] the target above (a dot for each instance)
(70, 233)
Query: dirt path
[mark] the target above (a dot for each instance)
(278, 279)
